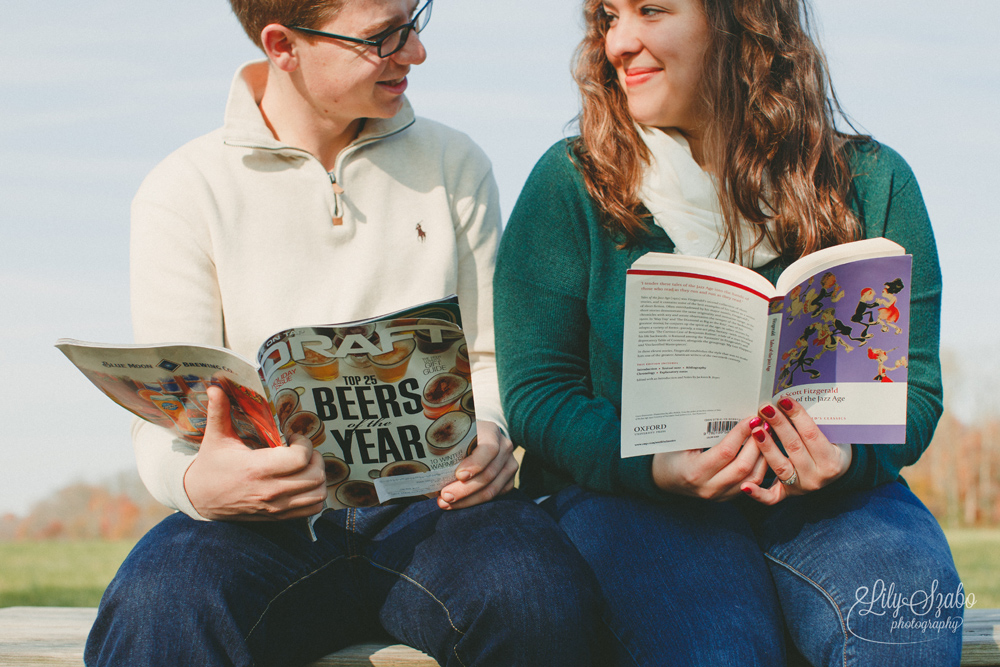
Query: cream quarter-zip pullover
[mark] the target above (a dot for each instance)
(234, 237)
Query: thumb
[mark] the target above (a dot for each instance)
(770, 496)
(301, 443)
(218, 422)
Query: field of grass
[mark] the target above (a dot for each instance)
(58, 574)
(977, 557)
(74, 574)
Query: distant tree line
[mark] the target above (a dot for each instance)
(117, 509)
(958, 477)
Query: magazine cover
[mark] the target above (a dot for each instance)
(387, 402)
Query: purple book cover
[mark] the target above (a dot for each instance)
(844, 349)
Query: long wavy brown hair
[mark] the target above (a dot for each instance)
(769, 130)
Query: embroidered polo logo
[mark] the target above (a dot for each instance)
(421, 234)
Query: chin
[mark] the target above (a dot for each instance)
(647, 119)
(388, 110)
(649, 113)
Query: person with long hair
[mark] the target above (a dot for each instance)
(708, 128)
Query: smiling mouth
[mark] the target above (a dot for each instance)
(394, 86)
(637, 75)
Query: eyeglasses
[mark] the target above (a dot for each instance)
(388, 42)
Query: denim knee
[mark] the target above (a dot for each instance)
(683, 581)
(540, 594)
(508, 586)
(172, 601)
(849, 570)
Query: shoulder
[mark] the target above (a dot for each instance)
(186, 171)
(555, 179)
(877, 169)
(428, 154)
(558, 162)
(554, 206)
(438, 142)
(886, 195)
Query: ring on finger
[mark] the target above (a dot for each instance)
(791, 480)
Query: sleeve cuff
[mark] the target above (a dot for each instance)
(851, 479)
(635, 476)
(163, 461)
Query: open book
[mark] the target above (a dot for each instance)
(707, 342)
(387, 401)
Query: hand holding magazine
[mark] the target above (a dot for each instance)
(707, 342)
(387, 401)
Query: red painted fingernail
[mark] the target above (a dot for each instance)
(747, 490)
(786, 404)
(768, 411)
(759, 435)
(755, 422)
(767, 427)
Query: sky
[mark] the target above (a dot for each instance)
(93, 95)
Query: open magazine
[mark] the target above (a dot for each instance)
(387, 401)
(707, 342)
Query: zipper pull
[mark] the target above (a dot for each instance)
(338, 216)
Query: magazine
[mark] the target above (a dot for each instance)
(387, 401)
(707, 342)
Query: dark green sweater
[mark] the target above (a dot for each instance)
(559, 295)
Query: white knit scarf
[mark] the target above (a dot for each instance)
(684, 201)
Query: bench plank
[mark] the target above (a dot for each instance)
(55, 636)
(44, 635)
(376, 655)
(981, 638)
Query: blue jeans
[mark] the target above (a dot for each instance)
(496, 584)
(693, 582)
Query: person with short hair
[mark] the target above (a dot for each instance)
(707, 129)
(323, 198)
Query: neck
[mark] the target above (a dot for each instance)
(294, 120)
(697, 145)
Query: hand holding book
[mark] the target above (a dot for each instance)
(230, 481)
(812, 461)
(717, 473)
(487, 472)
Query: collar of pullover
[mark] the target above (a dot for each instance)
(245, 126)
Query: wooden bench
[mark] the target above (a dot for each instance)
(55, 636)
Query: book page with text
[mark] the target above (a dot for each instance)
(692, 359)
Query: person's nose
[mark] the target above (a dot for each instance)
(413, 52)
(622, 39)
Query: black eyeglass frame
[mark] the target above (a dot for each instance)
(377, 43)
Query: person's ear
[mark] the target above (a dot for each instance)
(279, 45)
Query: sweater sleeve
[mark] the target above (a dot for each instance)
(543, 336)
(174, 298)
(477, 215)
(890, 203)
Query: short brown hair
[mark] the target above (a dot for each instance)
(254, 15)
